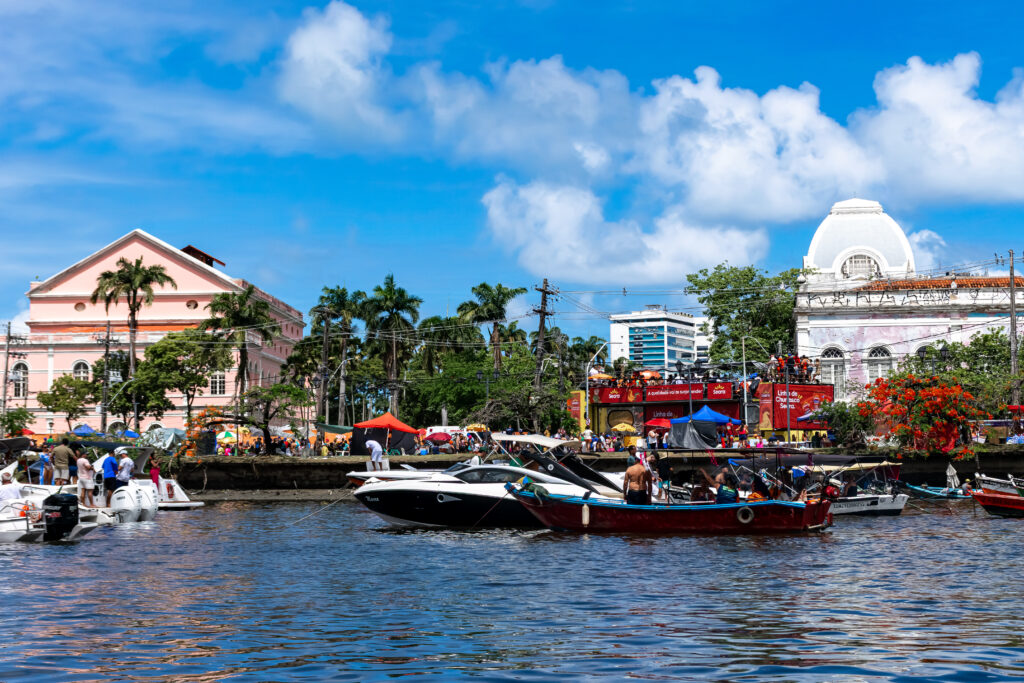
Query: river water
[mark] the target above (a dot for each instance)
(238, 592)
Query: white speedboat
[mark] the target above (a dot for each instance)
(170, 496)
(870, 504)
(471, 497)
(20, 521)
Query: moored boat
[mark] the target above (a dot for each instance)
(1009, 487)
(1001, 505)
(937, 493)
(602, 515)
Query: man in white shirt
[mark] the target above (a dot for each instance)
(125, 466)
(376, 455)
(8, 489)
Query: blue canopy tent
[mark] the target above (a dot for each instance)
(705, 414)
(83, 430)
(129, 434)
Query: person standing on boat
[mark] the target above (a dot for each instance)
(125, 468)
(9, 489)
(726, 484)
(636, 484)
(61, 458)
(86, 481)
(110, 483)
(376, 455)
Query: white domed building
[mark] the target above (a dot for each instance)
(864, 307)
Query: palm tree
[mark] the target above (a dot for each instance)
(510, 335)
(439, 335)
(233, 315)
(390, 313)
(337, 304)
(134, 282)
(490, 307)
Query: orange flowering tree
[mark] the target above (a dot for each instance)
(195, 425)
(923, 414)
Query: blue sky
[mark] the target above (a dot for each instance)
(602, 145)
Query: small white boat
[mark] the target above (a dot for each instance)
(1006, 487)
(870, 504)
(170, 496)
(20, 521)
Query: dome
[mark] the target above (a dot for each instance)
(857, 241)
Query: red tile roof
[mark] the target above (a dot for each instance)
(969, 282)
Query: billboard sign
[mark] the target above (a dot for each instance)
(617, 395)
(675, 392)
(778, 403)
(720, 391)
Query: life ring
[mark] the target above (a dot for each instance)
(745, 515)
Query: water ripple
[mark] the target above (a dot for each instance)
(235, 593)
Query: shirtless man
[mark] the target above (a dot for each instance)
(636, 485)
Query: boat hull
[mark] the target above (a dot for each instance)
(610, 516)
(445, 509)
(1001, 505)
(871, 505)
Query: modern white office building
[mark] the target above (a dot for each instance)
(655, 338)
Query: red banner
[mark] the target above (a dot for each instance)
(720, 391)
(802, 399)
(675, 392)
(616, 395)
(667, 411)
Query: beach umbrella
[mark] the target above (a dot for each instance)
(227, 437)
(26, 432)
(623, 427)
(477, 427)
(659, 423)
(439, 437)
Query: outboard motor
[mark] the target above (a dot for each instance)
(60, 512)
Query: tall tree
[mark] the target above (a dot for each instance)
(184, 361)
(439, 336)
(277, 402)
(490, 306)
(236, 315)
(511, 335)
(390, 314)
(746, 302)
(70, 396)
(133, 282)
(337, 304)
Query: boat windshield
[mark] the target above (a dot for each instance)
(489, 475)
(457, 467)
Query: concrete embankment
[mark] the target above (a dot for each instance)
(270, 474)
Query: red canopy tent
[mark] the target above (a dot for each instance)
(659, 423)
(386, 421)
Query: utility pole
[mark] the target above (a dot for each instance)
(542, 311)
(105, 340)
(1015, 387)
(7, 363)
(321, 391)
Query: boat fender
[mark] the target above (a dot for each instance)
(586, 515)
(745, 515)
(551, 467)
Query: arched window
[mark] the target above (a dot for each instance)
(218, 385)
(879, 363)
(19, 376)
(860, 266)
(80, 370)
(116, 427)
(833, 369)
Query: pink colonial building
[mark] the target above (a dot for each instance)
(65, 329)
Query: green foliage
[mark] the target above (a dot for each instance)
(15, 421)
(490, 306)
(846, 422)
(234, 316)
(183, 362)
(982, 367)
(68, 396)
(390, 314)
(274, 403)
(148, 388)
(749, 302)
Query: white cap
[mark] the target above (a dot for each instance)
(120, 450)
(6, 476)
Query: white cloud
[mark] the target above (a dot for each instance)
(563, 230)
(929, 248)
(19, 323)
(938, 139)
(738, 155)
(334, 69)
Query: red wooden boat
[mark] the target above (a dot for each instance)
(1000, 504)
(574, 513)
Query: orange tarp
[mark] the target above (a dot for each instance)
(386, 421)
